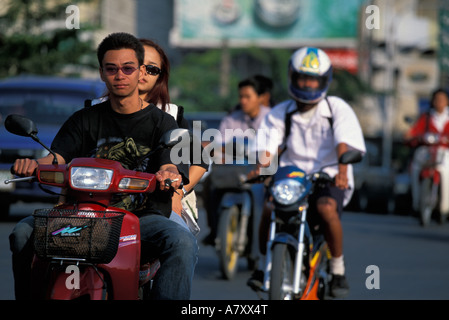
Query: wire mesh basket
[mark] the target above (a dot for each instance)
(92, 236)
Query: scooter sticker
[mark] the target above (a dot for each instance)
(68, 231)
(127, 240)
(131, 237)
(295, 174)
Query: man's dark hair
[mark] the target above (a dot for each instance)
(437, 91)
(120, 40)
(261, 84)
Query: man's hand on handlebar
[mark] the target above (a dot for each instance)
(168, 179)
(341, 181)
(24, 167)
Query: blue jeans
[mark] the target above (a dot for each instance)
(21, 245)
(172, 243)
(177, 250)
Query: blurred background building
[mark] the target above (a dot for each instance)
(404, 58)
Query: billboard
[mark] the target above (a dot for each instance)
(265, 23)
(443, 50)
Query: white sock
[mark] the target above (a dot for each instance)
(337, 265)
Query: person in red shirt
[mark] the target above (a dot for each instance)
(435, 121)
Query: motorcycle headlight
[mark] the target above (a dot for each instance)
(287, 191)
(90, 178)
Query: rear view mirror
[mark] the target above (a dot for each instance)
(352, 156)
(20, 125)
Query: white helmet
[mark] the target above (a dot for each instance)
(312, 62)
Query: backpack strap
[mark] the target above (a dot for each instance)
(288, 124)
(180, 115)
(331, 119)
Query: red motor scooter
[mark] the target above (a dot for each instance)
(428, 156)
(87, 249)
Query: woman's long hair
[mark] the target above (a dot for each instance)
(160, 93)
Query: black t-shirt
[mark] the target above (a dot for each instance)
(100, 132)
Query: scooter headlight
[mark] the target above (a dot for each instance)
(288, 191)
(90, 178)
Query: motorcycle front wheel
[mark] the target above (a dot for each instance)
(228, 226)
(281, 279)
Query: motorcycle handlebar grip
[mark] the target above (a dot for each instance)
(323, 177)
(167, 182)
(257, 179)
(13, 172)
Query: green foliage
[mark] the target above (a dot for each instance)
(42, 54)
(347, 85)
(26, 48)
(196, 82)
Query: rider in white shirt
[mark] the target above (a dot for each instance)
(316, 148)
(321, 129)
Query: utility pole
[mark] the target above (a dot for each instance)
(443, 53)
(388, 101)
(225, 69)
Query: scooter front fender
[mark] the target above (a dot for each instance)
(286, 238)
(123, 270)
(77, 281)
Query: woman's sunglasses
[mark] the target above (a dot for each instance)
(152, 70)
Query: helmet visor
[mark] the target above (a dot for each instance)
(307, 82)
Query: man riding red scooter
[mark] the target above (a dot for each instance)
(125, 129)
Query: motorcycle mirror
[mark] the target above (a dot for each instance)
(352, 156)
(20, 125)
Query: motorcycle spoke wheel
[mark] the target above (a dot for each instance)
(281, 279)
(228, 227)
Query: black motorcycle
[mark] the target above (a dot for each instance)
(240, 203)
(297, 259)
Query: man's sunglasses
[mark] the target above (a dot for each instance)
(112, 70)
(152, 70)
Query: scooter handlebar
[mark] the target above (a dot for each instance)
(258, 179)
(19, 179)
